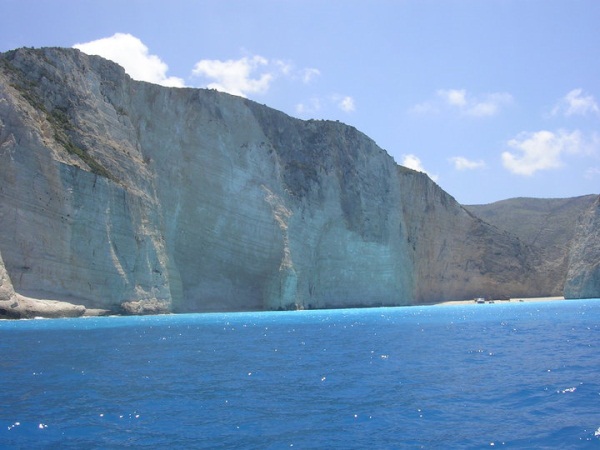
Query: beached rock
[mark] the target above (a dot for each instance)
(29, 308)
(144, 308)
(15, 306)
(96, 312)
(116, 192)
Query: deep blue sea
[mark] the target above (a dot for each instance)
(511, 375)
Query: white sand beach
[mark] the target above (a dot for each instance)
(512, 300)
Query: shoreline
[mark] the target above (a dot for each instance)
(48, 311)
(512, 300)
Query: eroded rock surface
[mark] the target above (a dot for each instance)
(583, 277)
(16, 306)
(548, 225)
(8, 301)
(115, 192)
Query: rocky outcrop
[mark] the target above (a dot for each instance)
(546, 224)
(15, 306)
(7, 293)
(144, 308)
(583, 277)
(131, 197)
(29, 308)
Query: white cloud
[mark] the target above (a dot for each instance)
(425, 108)
(287, 69)
(316, 104)
(245, 76)
(484, 105)
(489, 104)
(454, 97)
(284, 67)
(346, 104)
(311, 107)
(541, 150)
(462, 163)
(131, 53)
(576, 103)
(236, 76)
(250, 74)
(309, 74)
(413, 162)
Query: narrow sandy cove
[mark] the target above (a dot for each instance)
(512, 300)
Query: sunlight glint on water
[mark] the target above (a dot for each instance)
(510, 374)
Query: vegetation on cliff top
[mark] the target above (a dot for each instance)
(58, 117)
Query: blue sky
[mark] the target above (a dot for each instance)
(492, 98)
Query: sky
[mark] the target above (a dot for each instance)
(493, 99)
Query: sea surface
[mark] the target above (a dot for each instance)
(511, 375)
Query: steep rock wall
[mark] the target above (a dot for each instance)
(457, 255)
(115, 191)
(547, 224)
(583, 276)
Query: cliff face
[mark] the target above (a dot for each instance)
(583, 277)
(547, 225)
(116, 193)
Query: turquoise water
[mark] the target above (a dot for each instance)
(514, 375)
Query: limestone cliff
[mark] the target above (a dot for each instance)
(583, 277)
(128, 196)
(16, 306)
